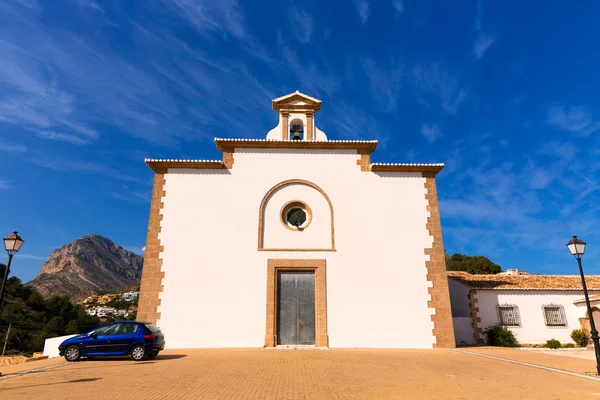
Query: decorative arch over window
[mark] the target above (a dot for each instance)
(271, 192)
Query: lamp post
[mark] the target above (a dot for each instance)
(12, 244)
(577, 248)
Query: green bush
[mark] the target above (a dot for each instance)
(569, 345)
(501, 336)
(553, 344)
(579, 337)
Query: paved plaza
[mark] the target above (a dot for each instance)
(308, 374)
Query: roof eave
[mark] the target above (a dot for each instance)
(229, 145)
(157, 165)
(277, 103)
(431, 168)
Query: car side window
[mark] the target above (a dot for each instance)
(106, 330)
(127, 329)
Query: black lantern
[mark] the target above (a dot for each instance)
(577, 248)
(12, 244)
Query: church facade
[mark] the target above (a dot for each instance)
(295, 240)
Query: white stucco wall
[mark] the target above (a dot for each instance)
(215, 279)
(463, 330)
(533, 329)
(51, 345)
(459, 299)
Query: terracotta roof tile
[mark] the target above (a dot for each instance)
(595, 297)
(525, 282)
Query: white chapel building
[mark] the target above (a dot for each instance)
(295, 240)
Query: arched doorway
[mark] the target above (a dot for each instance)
(596, 316)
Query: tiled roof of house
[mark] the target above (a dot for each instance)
(525, 282)
(595, 297)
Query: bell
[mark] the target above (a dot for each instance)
(296, 136)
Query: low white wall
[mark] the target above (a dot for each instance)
(533, 329)
(51, 345)
(463, 330)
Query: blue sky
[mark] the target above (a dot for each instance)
(504, 93)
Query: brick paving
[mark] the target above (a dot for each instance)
(299, 374)
(559, 360)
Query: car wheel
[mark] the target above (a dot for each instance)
(138, 353)
(72, 353)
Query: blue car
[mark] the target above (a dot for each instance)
(140, 340)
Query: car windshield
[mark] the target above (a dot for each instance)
(152, 328)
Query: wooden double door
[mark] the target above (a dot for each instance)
(296, 308)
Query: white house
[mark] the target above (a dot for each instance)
(534, 307)
(130, 296)
(295, 239)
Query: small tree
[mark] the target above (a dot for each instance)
(579, 337)
(471, 264)
(501, 336)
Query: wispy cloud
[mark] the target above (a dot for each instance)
(71, 165)
(5, 184)
(574, 119)
(482, 43)
(349, 122)
(59, 136)
(89, 4)
(434, 79)
(301, 23)
(565, 151)
(32, 257)
(12, 147)
(483, 40)
(526, 204)
(363, 10)
(398, 5)
(430, 132)
(222, 16)
(176, 95)
(130, 196)
(315, 79)
(478, 15)
(384, 83)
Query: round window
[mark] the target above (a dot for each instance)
(296, 215)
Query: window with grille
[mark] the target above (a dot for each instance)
(554, 315)
(509, 315)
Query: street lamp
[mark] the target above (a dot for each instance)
(577, 248)
(12, 244)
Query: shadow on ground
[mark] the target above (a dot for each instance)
(84, 380)
(160, 357)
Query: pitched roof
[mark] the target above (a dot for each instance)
(525, 282)
(595, 297)
(296, 96)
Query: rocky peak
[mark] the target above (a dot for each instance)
(86, 265)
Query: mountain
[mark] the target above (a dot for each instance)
(86, 266)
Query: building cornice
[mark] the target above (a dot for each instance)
(158, 164)
(406, 167)
(228, 146)
(361, 146)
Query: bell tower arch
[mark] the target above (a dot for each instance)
(296, 118)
